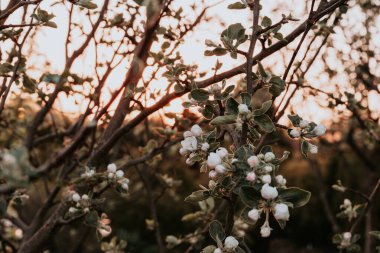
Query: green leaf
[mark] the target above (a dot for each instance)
(88, 4)
(295, 119)
(208, 112)
(91, 219)
(375, 234)
(266, 22)
(222, 120)
(264, 108)
(265, 123)
(234, 33)
(216, 231)
(232, 106)
(304, 147)
(197, 196)
(249, 196)
(237, 6)
(29, 84)
(178, 88)
(262, 70)
(209, 249)
(298, 197)
(51, 24)
(200, 95)
(277, 86)
(245, 98)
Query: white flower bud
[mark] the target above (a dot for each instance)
(254, 214)
(211, 184)
(75, 197)
(265, 231)
(111, 168)
(319, 130)
(119, 174)
(347, 202)
(251, 176)
(196, 130)
(230, 242)
(72, 210)
(269, 156)
(212, 174)
(253, 161)
(260, 156)
(243, 108)
(183, 151)
(111, 175)
(269, 192)
(281, 212)
(347, 236)
(313, 149)
(268, 168)
(213, 159)
(187, 134)
(220, 169)
(295, 133)
(266, 179)
(222, 152)
(217, 250)
(85, 197)
(190, 143)
(205, 146)
(280, 180)
(304, 123)
(125, 186)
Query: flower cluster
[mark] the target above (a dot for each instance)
(88, 173)
(348, 210)
(218, 163)
(80, 203)
(305, 129)
(262, 168)
(117, 176)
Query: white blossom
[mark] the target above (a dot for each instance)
(217, 250)
(253, 161)
(347, 236)
(281, 212)
(205, 146)
(220, 169)
(119, 173)
(85, 197)
(295, 133)
(213, 159)
(111, 168)
(280, 180)
(75, 197)
(313, 149)
(304, 123)
(243, 108)
(347, 203)
(190, 143)
(319, 130)
(230, 242)
(125, 186)
(265, 231)
(268, 168)
(72, 210)
(266, 179)
(251, 176)
(111, 175)
(187, 134)
(196, 130)
(254, 214)
(212, 174)
(269, 192)
(269, 156)
(222, 152)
